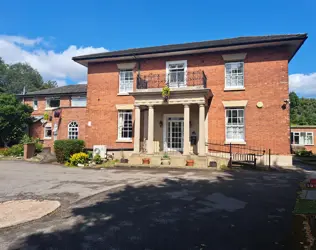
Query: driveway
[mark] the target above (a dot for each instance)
(151, 209)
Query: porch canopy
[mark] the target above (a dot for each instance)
(151, 98)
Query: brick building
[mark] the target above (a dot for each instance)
(224, 91)
(302, 136)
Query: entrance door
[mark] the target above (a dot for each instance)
(174, 134)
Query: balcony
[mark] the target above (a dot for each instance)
(173, 80)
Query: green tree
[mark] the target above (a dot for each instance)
(294, 100)
(14, 118)
(22, 75)
(49, 84)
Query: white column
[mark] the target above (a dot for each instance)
(201, 130)
(150, 141)
(137, 130)
(186, 132)
(206, 128)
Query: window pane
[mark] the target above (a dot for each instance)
(234, 74)
(73, 130)
(125, 124)
(235, 124)
(79, 102)
(126, 81)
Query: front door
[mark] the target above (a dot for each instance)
(174, 134)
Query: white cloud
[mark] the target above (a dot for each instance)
(51, 64)
(303, 84)
(21, 40)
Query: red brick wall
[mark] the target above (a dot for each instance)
(265, 80)
(77, 114)
(307, 147)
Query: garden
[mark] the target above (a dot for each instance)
(72, 153)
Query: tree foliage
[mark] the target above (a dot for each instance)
(303, 110)
(15, 77)
(14, 118)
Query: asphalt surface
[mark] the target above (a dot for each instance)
(151, 209)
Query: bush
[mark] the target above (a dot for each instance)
(65, 148)
(77, 158)
(15, 150)
(90, 154)
(304, 153)
(38, 145)
(97, 159)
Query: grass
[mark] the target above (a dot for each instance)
(303, 206)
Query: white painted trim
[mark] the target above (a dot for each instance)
(120, 139)
(185, 69)
(243, 76)
(48, 126)
(165, 117)
(235, 104)
(234, 57)
(77, 127)
(300, 137)
(124, 140)
(237, 141)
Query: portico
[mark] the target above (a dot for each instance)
(177, 126)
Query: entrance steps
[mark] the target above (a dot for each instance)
(178, 160)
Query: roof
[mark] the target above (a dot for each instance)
(194, 45)
(65, 90)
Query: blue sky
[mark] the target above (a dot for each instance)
(47, 34)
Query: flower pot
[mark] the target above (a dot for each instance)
(165, 98)
(165, 161)
(124, 160)
(146, 160)
(190, 163)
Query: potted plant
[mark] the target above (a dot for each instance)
(165, 93)
(146, 161)
(46, 116)
(165, 159)
(190, 162)
(57, 113)
(123, 160)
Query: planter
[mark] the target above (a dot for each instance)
(165, 162)
(146, 161)
(123, 160)
(165, 98)
(190, 163)
(57, 113)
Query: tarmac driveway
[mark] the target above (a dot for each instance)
(151, 209)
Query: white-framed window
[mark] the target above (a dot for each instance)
(125, 124)
(35, 104)
(48, 131)
(126, 81)
(235, 124)
(52, 102)
(176, 73)
(302, 138)
(234, 75)
(78, 101)
(73, 130)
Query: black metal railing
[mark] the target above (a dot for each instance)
(173, 79)
(241, 153)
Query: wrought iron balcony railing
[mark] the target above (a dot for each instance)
(173, 80)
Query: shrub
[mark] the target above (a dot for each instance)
(38, 145)
(97, 159)
(77, 158)
(304, 153)
(15, 150)
(90, 154)
(65, 148)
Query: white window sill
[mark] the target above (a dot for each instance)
(236, 142)
(124, 140)
(47, 138)
(123, 94)
(234, 89)
(51, 108)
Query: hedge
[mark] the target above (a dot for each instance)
(65, 148)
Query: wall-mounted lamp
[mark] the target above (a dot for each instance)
(286, 102)
(160, 123)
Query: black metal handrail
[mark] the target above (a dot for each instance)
(240, 153)
(173, 79)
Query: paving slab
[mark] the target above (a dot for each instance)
(20, 211)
